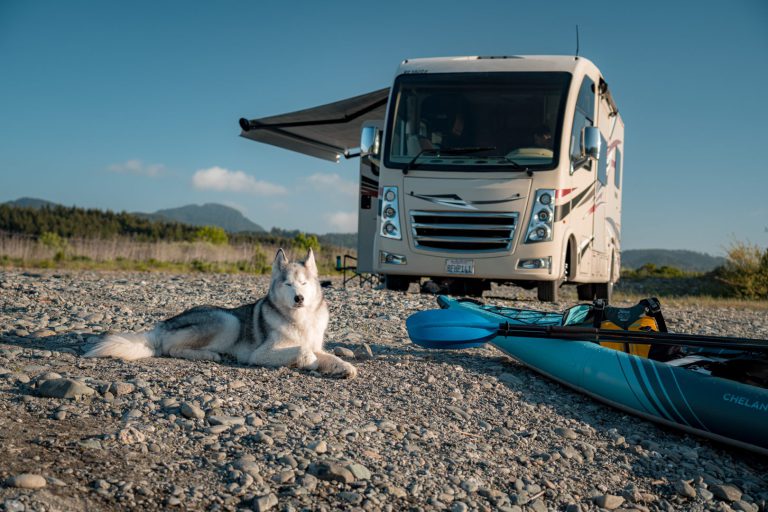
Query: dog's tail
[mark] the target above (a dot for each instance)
(127, 346)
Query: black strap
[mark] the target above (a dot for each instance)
(598, 312)
(653, 308)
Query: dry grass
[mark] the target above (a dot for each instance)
(124, 253)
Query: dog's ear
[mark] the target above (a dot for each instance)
(281, 261)
(310, 264)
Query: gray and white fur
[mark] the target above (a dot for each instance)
(284, 328)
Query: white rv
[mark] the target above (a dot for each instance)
(477, 170)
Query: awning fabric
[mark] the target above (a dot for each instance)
(328, 131)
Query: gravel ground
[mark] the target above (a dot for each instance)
(417, 430)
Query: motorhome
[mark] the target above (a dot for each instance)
(476, 170)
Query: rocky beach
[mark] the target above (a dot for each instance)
(416, 430)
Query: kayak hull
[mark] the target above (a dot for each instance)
(716, 408)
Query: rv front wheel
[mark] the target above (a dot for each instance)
(604, 291)
(547, 291)
(396, 283)
(585, 291)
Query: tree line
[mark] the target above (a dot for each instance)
(74, 222)
(64, 222)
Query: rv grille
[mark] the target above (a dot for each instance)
(463, 231)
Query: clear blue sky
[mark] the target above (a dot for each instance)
(119, 105)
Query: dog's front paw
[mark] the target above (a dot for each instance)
(344, 370)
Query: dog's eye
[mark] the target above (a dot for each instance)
(288, 284)
(302, 284)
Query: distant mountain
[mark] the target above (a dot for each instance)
(210, 214)
(684, 260)
(30, 202)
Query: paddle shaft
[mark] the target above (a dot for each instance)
(632, 337)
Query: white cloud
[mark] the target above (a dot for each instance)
(217, 178)
(342, 222)
(138, 168)
(334, 182)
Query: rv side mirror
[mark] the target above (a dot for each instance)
(370, 142)
(592, 142)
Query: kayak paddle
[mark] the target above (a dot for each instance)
(454, 329)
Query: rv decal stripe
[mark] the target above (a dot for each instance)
(564, 209)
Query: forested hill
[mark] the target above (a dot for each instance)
(209, 214)
(73, 222)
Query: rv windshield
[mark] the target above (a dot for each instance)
(515, 118)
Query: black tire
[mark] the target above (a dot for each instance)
(585, 291)
(474, 287)
(547, 291)
(396, 283)
(604, 291)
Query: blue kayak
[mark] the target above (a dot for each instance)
(677, 393)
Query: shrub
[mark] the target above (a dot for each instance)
(306, 242)
(54, 242)
(212, 234)
(746, 271)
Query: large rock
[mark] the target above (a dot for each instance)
(726, 492)
(26, 481)
(64, 388)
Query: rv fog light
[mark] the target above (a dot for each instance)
(390, 228)
(389, 195)
(389, 212)
(535, 263)
(544, 215)
(392, 259)
(545, 198)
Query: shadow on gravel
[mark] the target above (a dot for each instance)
(67, 343)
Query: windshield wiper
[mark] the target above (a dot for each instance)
(445, 151)
(516, 165)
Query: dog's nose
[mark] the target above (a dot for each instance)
(299, 299)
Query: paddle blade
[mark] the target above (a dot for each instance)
(450, 329)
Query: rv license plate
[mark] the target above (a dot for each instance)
(460, 266)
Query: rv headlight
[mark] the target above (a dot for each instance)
(542, 213)
(390, 227)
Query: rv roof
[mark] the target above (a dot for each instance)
(495, 63)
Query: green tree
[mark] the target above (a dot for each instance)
(306, 242)
(212, 234)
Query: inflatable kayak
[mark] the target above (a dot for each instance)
(682, 392)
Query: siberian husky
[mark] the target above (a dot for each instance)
(284, 328)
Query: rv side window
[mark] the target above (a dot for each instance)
(602, 163)
(584, 116)
(617, 172)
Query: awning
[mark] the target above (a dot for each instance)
(328, 131)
